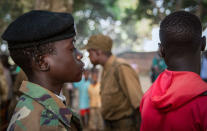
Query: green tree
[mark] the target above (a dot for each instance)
(157, 9)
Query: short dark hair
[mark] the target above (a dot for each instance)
(181, 29)
(23, 56)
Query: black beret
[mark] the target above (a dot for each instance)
(39, 27)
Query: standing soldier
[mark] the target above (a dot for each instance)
(120, 87)
(42, 44)
(96, 120)
(3, 98)
(21, 76)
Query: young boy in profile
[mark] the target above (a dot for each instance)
(95, 121)
(42, 44)
(177, 99)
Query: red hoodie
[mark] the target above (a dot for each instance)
(174, 103)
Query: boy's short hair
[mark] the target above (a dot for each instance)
(24, 56)
(33, 34)
(180, 28)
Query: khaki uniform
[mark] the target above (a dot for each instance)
(39, 109)
(95, 119)
(94, 95)
(120, 94)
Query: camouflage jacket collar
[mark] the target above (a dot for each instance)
(47, 99)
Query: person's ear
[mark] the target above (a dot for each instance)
(203, 43)
(42, 63)
(161, 50)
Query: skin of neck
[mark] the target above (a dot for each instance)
(188, 63)
(44, 81)
(104, 58)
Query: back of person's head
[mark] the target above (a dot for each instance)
(100, 42)
(181, 35)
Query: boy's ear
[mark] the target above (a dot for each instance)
(42, 63)
(203, 43)
(161, 50)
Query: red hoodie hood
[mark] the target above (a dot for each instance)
(175, 88)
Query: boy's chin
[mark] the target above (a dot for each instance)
(78, 79)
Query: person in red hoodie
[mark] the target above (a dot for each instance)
(177, 100)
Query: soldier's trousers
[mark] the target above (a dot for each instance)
(125, 124)
(96, 120)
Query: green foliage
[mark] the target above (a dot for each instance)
(11, 9)
(99, 8)
(102, 16)
(152, 10)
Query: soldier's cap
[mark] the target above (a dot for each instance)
(99, 41)
(39, 27)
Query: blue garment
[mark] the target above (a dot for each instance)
(204, 68)
(82, 87)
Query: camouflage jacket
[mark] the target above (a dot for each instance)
(39, 109)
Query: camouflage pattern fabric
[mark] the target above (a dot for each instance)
(39, 109)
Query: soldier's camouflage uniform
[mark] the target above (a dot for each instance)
(39, 109)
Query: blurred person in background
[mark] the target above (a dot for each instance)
(4, 93)
(20, 77)
(82, 87)
(121, 91)
(68, 93)
(6, 66)
(204, 66)
(95, 119)
(158, 66)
